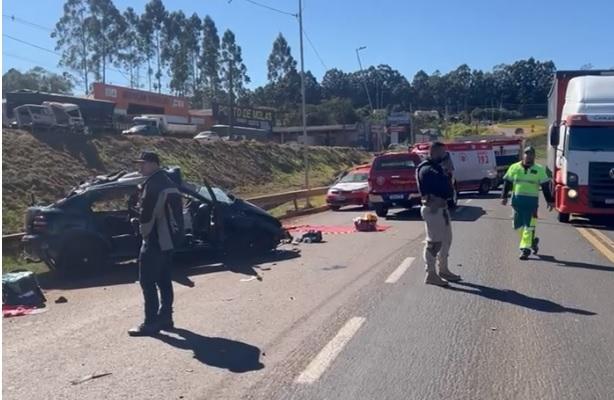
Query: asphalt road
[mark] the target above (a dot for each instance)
(346, 319)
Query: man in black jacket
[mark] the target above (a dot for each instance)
(437, 192)
(160, 224)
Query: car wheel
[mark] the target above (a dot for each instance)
(84, 258)
(381, 211)
(485, 186)
(335, 208)
(563, 217)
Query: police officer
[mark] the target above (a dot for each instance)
(159, 224)
(524, 180)
(437, 192)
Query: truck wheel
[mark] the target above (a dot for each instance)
(485, 186)
(86, 258)
(563, 217)
(381, 211)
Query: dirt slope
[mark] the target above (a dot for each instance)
(49, 165)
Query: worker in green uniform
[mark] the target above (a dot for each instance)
(524, 179)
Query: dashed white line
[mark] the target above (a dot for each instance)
(327, 355)
(397, 273)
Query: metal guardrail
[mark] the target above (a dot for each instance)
(266, 202)
(271, 201)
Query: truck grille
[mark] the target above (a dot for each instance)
(601, 184)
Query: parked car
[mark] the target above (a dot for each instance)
(208, 136)
(142, 129)
(91, 226)
(351, 189)
(392, 182)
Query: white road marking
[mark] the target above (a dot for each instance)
(327, 355)
(397, 273)
(468, 201)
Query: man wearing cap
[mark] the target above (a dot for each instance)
(159, 224)
(524, 180)
(436, 192)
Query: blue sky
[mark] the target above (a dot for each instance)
(408, 35)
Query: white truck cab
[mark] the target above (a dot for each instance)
(581, 143)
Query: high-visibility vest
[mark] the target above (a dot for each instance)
(526, 181)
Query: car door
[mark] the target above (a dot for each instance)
(201, 214)
(111, 212)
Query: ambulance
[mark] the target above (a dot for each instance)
(474, 163)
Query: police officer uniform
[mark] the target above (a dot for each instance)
(436, 192)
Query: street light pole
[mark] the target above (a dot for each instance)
(364, 81)
(303, 105)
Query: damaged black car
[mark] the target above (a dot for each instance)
(90, 228)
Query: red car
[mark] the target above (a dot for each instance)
(392, 182)
(351, 189)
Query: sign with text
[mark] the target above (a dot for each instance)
(399, 118)
(244, 116)
(125, 97)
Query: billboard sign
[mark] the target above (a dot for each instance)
(244, 116)
(398, 118)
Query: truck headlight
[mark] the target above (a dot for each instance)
(572, 179)
(572, 193)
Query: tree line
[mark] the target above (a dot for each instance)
(156, 45)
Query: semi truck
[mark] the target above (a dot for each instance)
(581, 142)
(98, 115)
(148, 123)
(50, 114)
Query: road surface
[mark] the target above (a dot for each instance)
(346, 319)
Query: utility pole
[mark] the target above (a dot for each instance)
(303, 105)
(364, 81)
(230, 98)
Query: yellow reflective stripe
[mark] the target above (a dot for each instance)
(524, 193)
(524, 180)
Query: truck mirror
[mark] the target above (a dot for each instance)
(554, 136)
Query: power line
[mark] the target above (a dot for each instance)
(31, 44)
(269, 8)
(313, 47)
(27, 60)
(29, 23)
(56, 53)
(78, 82)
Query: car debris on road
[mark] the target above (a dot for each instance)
(90, 377)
